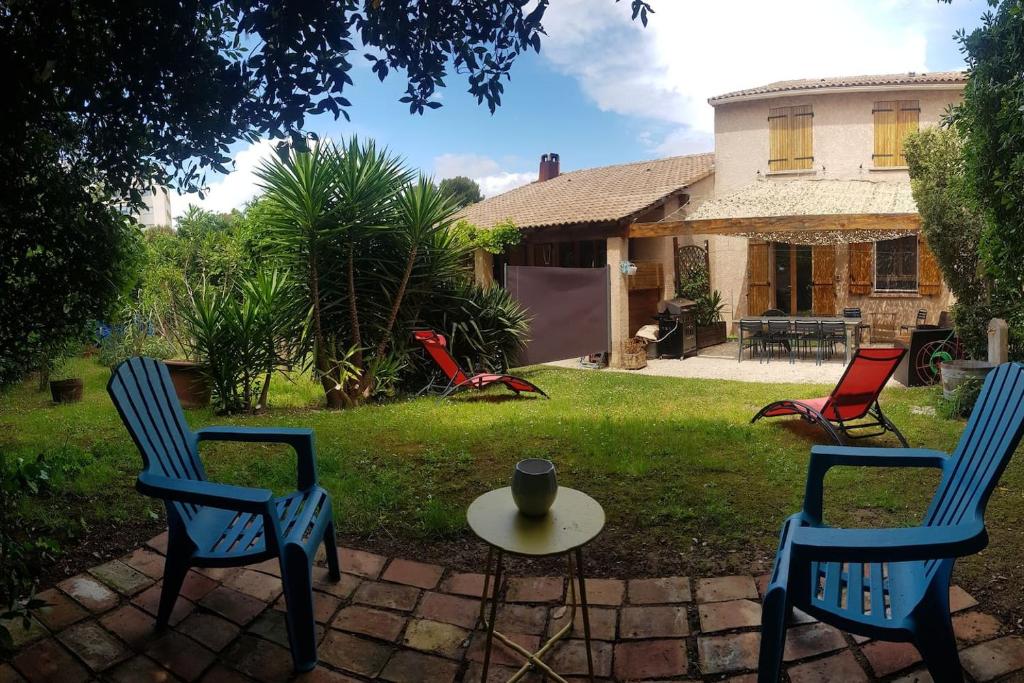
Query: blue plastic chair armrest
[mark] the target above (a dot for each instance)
(302, 440)
(224, 496)
(862, 456)
(826, 544)
(825, 457)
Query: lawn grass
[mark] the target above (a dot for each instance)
(686, 481)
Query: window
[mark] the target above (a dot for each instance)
(894, 119)
(790, 138)
(896, 265)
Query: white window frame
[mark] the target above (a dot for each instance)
(917, 269)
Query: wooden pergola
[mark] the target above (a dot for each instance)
(745, 226)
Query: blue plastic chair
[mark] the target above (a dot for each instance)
(893, 584)
(217, 525)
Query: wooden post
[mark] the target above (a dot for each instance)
(998, 341)
(618, 251)
(483, 267)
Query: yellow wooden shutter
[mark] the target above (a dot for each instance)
(758, 277)
(929, 278)
(885, 115)
(908, 112)
(823, 279)
(779, 157)
(802, 137)
(861, 265)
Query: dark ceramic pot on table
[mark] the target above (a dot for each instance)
(534, 486)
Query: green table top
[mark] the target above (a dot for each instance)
(574, 520)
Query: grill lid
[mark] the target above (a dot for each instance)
(675, 306)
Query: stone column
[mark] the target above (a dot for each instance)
(483, 267)
(618, 251)
(998, 341)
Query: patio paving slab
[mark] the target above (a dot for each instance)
(396, 619)
(720, 363)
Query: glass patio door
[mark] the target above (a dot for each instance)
(793, 278)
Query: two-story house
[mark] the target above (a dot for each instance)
(805, 206)
(812, 208)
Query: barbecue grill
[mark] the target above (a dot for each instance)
(677, 328)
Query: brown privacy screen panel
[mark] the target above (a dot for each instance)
(568, 309)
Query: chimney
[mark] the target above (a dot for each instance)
(548, 167)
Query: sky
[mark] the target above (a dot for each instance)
(605, 90)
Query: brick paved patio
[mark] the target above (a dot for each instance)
(400, 620)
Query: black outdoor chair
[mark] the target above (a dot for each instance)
(832, 333)
(854, 312)
(752, 336)
(805, 333)
(780, 334)
(921, 319)
(773, 313)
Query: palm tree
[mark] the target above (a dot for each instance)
(369, 243)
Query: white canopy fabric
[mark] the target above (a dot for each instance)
(777, 197)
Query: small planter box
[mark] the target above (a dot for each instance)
(711, 335)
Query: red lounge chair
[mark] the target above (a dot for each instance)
(437, 347)
(854, 398)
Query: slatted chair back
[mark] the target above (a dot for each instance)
(436, 347)
(751, 328)
(990, 438)
(773, 313)
(852, 312)
(861, 383)
(143, 394)
(922, 317)
(778, 328)
(808, 328)
(833, 329)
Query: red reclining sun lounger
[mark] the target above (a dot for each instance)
(854, 398)
(437, 347)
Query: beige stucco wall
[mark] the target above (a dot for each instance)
(843, 131)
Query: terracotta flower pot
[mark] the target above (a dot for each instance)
(66, 390)
(190, 384)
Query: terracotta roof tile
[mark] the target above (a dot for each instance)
(864, 81)
(591, 195)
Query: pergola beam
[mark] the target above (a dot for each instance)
(747, 225)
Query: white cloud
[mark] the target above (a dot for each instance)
(233, 190)
(503, 182)
(487, 172)
(693, 50)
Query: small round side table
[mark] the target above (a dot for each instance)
(574, 520)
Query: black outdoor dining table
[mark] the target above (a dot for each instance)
(850, 323)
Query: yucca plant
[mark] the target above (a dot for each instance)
(369, 242)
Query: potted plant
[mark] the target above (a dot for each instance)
(191, 383)
(708, 314)
(955, 373)
(63, 389)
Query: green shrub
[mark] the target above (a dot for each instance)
(24, 548)
(242, 333)
(952, 224)
(485, 326)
